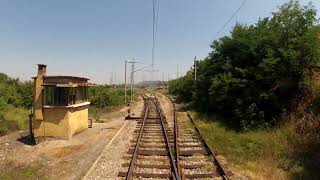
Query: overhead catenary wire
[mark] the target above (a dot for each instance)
(156, 9)
(229, 20)
(153, 30)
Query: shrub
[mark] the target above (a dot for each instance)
(256, 73)
(102, 96)
(15, 98)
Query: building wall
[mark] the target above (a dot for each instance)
(78, 119)
(55, 123)
(37, 101)
(37, 93)
(61, 122)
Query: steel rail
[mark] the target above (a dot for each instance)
(174, 167)
(176, 141)
(176, 133)
(221, 169)
(136, 149)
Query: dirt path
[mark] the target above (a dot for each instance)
(66, 159)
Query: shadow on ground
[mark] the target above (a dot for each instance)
(27, 139)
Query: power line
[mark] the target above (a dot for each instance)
(235, 13)
(153, 30)
(156, 9)
(156, 23)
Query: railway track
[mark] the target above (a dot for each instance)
(161, 151)
(151, 153)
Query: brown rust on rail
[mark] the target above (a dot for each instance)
(135, 154)
(221, 168)
(174, 167)
(149, 132)
(208, 151)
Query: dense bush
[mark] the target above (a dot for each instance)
(15, 102)
(102, 96)
(12, 119)
(183, 86)
(256, 73)
(15, 92)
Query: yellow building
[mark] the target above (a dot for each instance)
(60, 105)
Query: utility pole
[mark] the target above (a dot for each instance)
(168, 79)
(132, 78)
(125, 81)
(111, 80)
(133, 70)
(162, 76)
(152, 75)
(115, 79)
(107, 78)
(195, 68)
(112, 75)
(131, 82)
(177, 71)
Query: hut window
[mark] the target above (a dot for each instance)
(62, 96)
(81, 94)
(72, 96)
(50, 95)
(86, 94)
(56, 96)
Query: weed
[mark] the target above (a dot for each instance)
(278, 153)
(11, 171)
(12, 119)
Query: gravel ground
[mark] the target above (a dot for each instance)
(109, 165)
(63, 159)
(167, 109)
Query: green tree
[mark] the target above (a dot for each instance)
(254, 74)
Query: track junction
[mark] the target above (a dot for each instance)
(169, 148)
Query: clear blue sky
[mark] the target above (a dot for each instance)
(92, 38)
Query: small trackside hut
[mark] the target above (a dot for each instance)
(60, 105)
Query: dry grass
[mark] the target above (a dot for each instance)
(279, 153)
(12, 171)
(289, 151)
(64, 151)
(13, 119)
(99, 114)
(261, 169)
